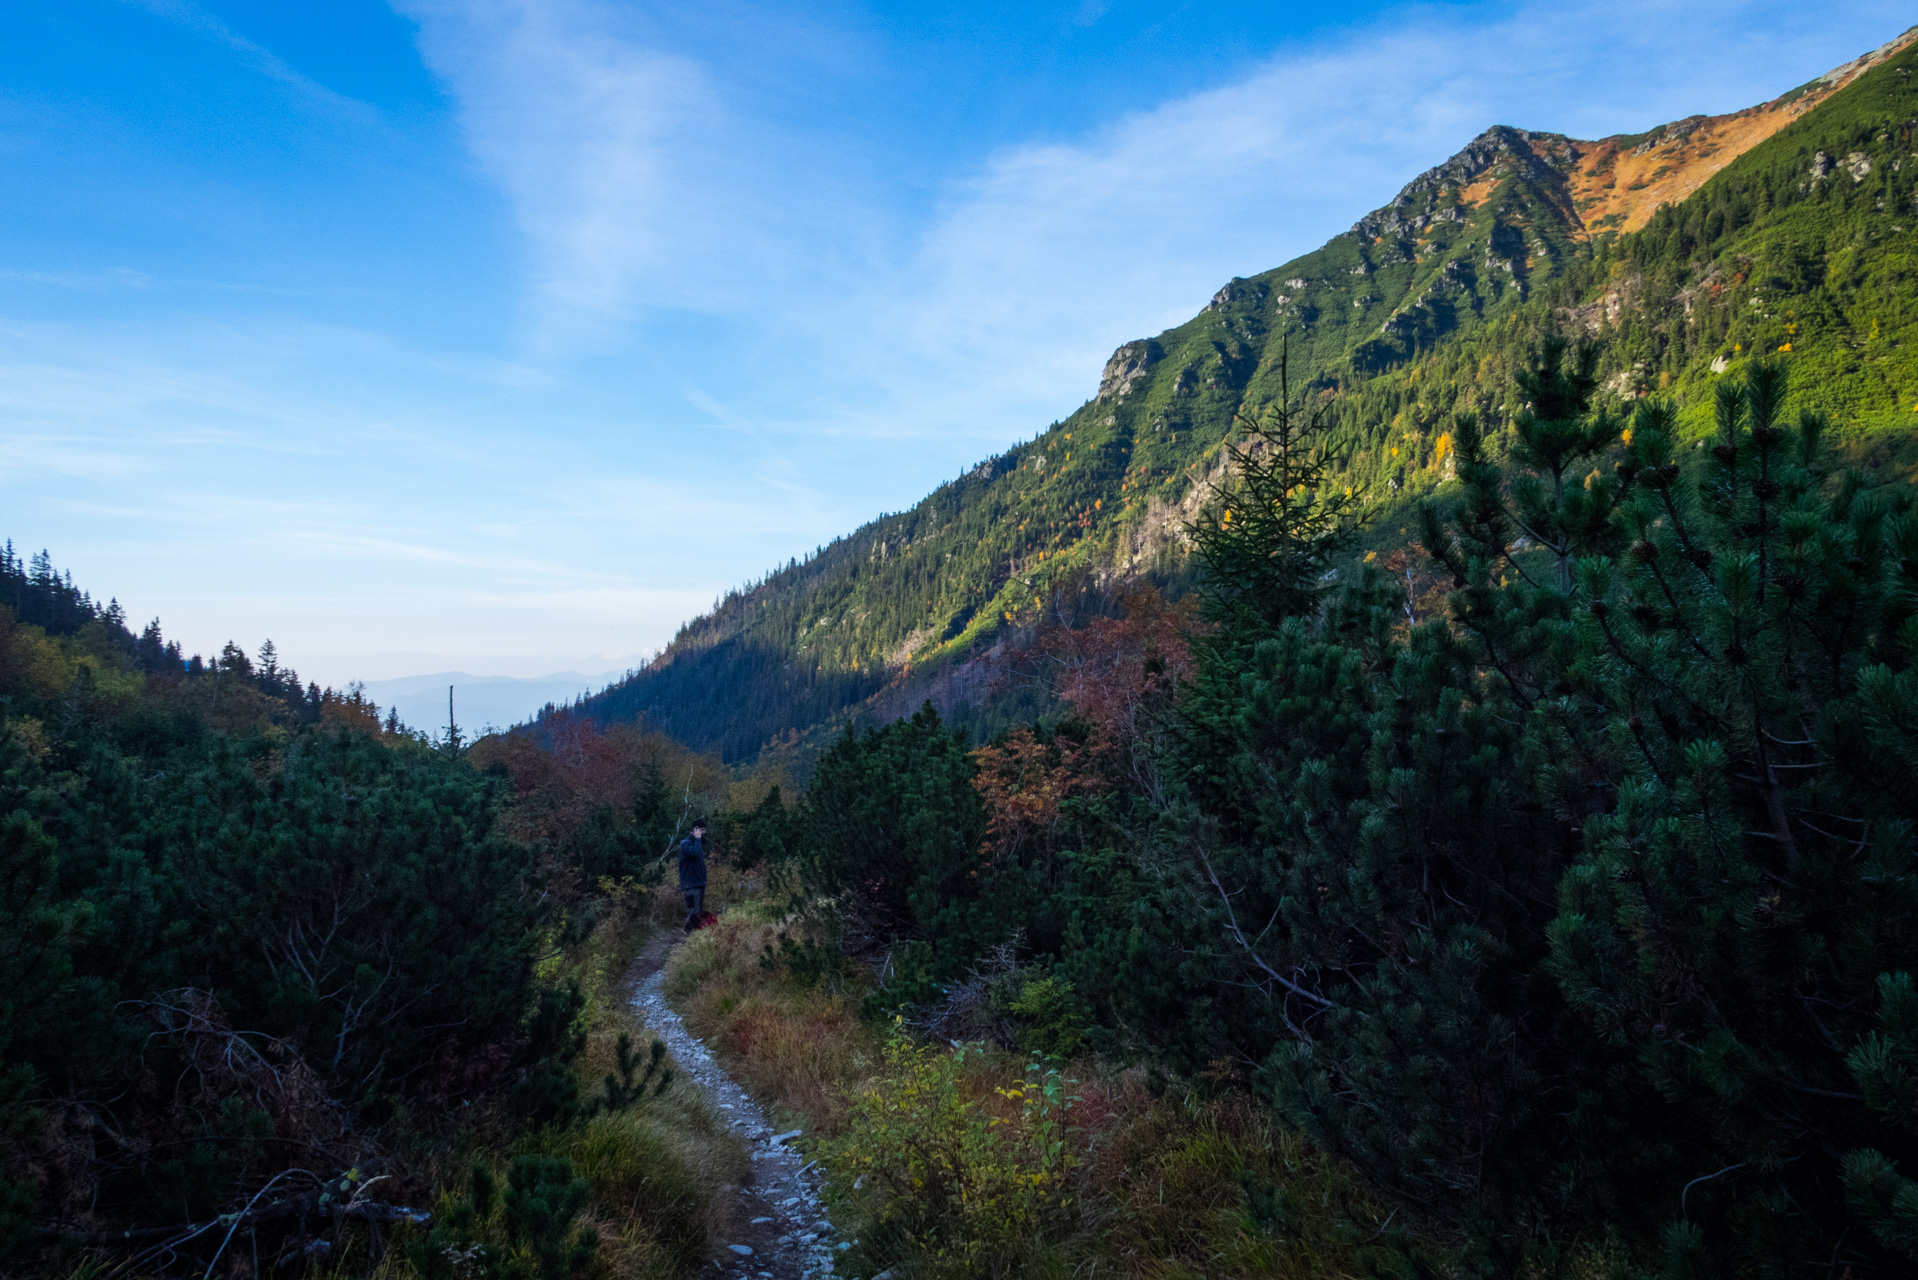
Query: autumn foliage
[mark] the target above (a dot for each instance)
(1110, 674)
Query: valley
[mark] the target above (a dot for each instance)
(1408, 781)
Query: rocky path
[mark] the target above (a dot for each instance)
(784, 1233)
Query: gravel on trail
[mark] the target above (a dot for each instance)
(784, 1232)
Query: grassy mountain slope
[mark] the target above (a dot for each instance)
(1790, 227)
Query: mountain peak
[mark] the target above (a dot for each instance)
(1448, 192)
(1607, 184)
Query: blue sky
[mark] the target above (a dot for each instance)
(504, 335)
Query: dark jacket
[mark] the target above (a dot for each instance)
(692, 863)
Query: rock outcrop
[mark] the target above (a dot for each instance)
(1129, 364)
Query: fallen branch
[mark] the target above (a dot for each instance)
(316, 1204)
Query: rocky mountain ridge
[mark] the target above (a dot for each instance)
(1421, 307)
(1613, 183)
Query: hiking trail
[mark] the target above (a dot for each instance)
(782, 1232)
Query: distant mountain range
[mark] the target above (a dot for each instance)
(481, 702)
(1790, 227)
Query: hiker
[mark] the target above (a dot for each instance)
(692, 874)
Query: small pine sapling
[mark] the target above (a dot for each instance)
(629, 1083)
(542, 1200)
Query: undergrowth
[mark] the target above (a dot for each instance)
(955, 1161)
(629, 1183)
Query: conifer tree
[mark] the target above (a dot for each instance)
(1594, 901)
(1742, 917)
(1268, 536)
(892, 819)
(1373, 865)
(1554, 434)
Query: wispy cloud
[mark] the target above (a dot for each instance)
(613, 154)
(196, 18)
(111, 278)
(647, 180)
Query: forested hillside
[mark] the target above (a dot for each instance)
(1790, 230)
(280, 981)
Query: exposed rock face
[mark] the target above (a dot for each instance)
(1597, 315)
(1543, 155)
(1239, 290)
(1628, 384)
(992, 468)
(1667, 134)
(1129, 364)
(912, 644)
(1857, 164)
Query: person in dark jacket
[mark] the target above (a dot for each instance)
(692, 874)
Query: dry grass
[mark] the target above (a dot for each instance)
(659, 1173)
(1187, 1187)
(794, 1049)
(660, 1170)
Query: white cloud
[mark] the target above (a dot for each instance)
(626, 166)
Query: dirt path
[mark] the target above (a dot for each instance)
(784, 1233)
